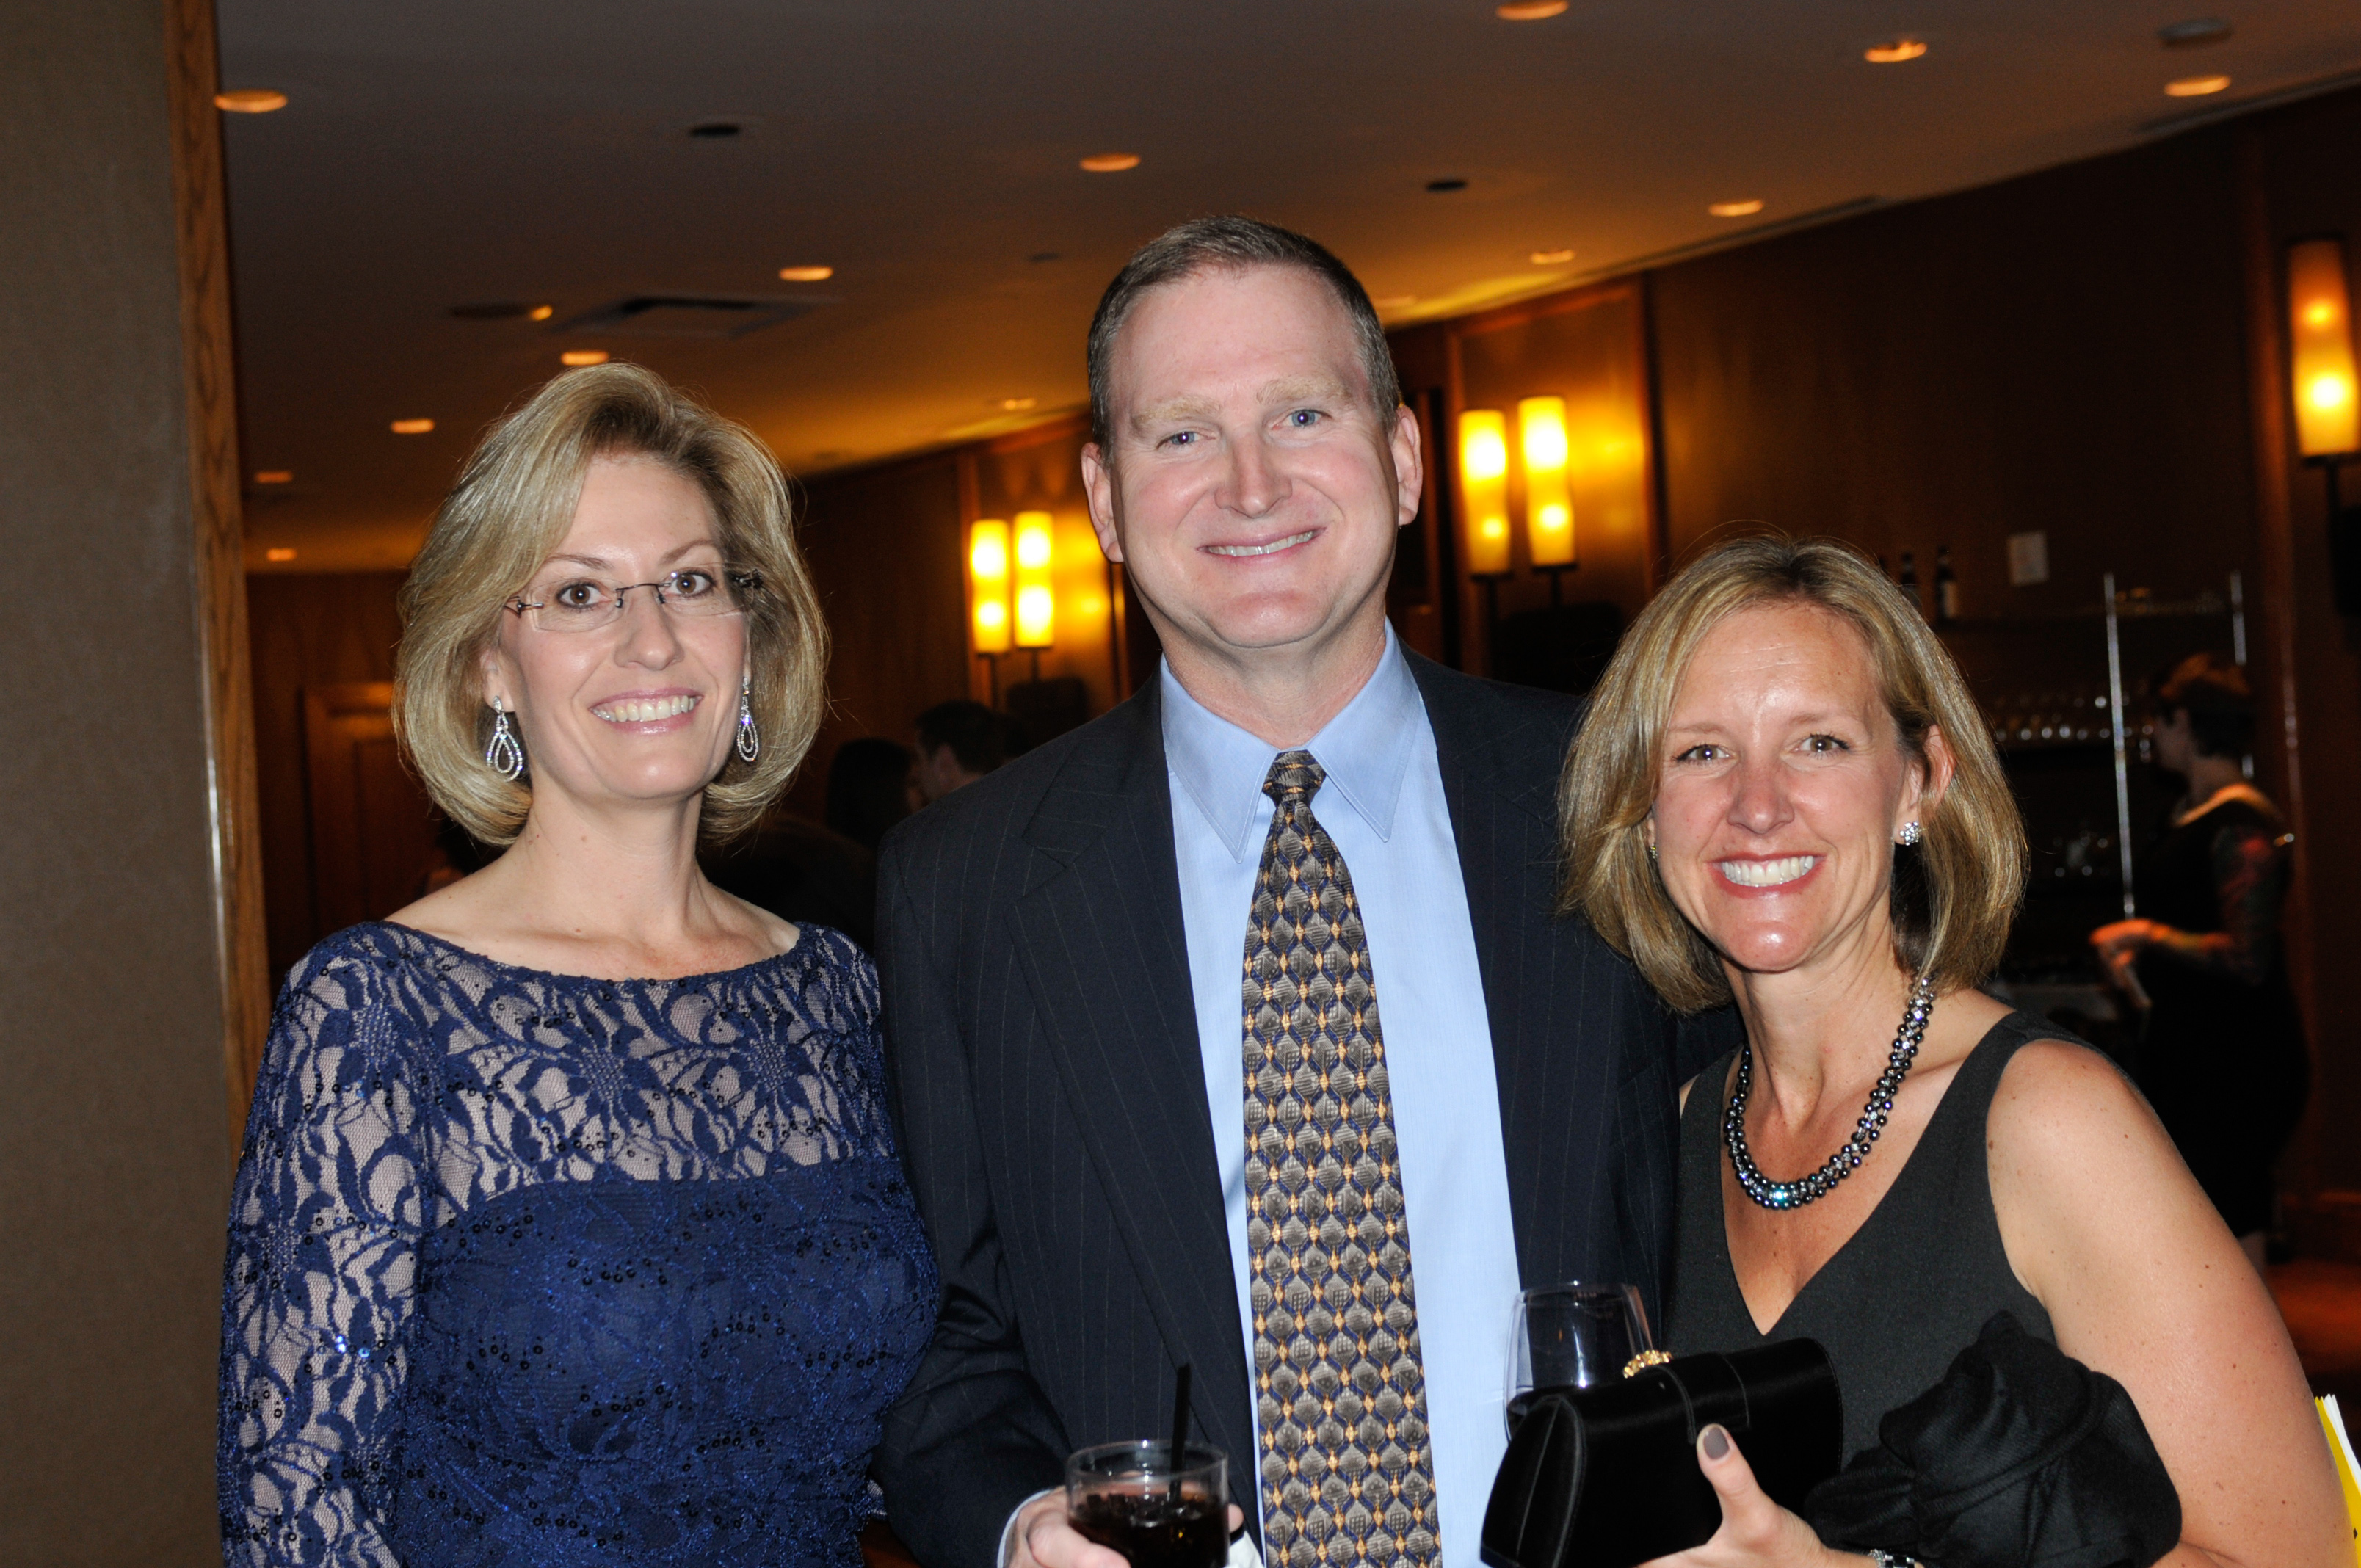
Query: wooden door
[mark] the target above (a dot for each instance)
(372, 828)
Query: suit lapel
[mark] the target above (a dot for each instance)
(1099, 934)
(1558, 1098)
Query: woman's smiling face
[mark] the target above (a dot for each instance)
(1785, 783)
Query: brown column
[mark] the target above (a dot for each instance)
(130, 960)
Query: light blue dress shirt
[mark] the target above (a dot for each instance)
(1384, 805)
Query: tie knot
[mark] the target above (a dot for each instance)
(1293, 774)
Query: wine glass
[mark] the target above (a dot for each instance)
(1570, 1337)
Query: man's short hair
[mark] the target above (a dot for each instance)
(977, 736)
(1232, 244)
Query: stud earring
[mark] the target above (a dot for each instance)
(1909, 836)
(749, 738)
(504, 756)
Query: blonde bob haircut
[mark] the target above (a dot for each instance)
(511, 509)
(1953, 896)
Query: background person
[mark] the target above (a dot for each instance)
(569, 1230)
(2222, 1052)
(1063, 942)
(1783, 794)
(959, 742)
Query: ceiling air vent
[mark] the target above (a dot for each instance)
(690, 315)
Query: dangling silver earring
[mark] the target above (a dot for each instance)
(1909, 836)
(1652, 854)
(750, 739)
(504, 756)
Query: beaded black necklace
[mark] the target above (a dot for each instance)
(1845, 1161)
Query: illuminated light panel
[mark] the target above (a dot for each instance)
(805, 274)
(1529, 10)
(584, 356)
(250, 101)
(412, 426)
(2319, 314)
(275, 477)
(541, 313)
(1895, 52)
(1483, 487)
(1035, 605)
(1736, 209)
(278, 552)
(1016, 405)
(987, 576)
(1549, 505)
(2195, 86)
(1110, 162)
(1553, 258)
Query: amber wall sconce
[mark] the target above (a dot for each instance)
(1549, 501)
(2325, 394)
(1037, 604)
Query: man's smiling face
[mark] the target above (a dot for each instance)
(1251, 490)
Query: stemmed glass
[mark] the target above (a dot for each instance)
(1570, 1337)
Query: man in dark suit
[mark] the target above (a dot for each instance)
(1124, 1169)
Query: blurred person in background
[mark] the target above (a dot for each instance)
(2221, 1052)
(569, 1229)
(871, 784)
(959, 742)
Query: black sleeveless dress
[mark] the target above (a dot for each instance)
(1909, 1289)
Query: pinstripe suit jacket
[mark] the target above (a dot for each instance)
(1043, 1045)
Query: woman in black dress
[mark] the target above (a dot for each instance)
(2221, 1050)
(1784, 797)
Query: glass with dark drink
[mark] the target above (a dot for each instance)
(1159, 1513)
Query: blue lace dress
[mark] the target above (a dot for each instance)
(541, 1271)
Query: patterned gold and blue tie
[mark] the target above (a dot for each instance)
(1346, 1471)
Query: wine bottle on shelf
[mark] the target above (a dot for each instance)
(1946, 587)
(1910, 578)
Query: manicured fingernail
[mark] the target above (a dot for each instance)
(1714, 1442)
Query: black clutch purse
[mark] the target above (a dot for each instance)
(1607, 1476)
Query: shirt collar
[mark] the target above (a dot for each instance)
(1222, 767)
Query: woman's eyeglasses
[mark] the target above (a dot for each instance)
(585, 604)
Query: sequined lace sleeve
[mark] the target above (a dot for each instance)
(324, 1223)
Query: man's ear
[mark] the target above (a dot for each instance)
(1409, 466)
(1098, 489)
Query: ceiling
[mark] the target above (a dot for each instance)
(449, 153)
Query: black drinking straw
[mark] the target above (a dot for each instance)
(1179, 1426)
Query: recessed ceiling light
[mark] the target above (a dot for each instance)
(1736, 209)
(1041, 255)
(249, 100)
(2195, 33)
(1894, 52)
(1443, 187)
(278, 552)
(583, 356)
(274, 476)
(1393, 302)
(1016, 405)
(1111, 162)
(806, 274)
(715, 130)
(1552, 258)
(412, 426)
(1529, 10)
(541, 313)
(2195, 86)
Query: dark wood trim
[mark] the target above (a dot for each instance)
(208, 357)
(1659, 562)
(1533, 310)
(2266, 402)
(1060, 428)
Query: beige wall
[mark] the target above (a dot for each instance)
(113, 1154)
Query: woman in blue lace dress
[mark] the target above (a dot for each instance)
(569, 1229)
